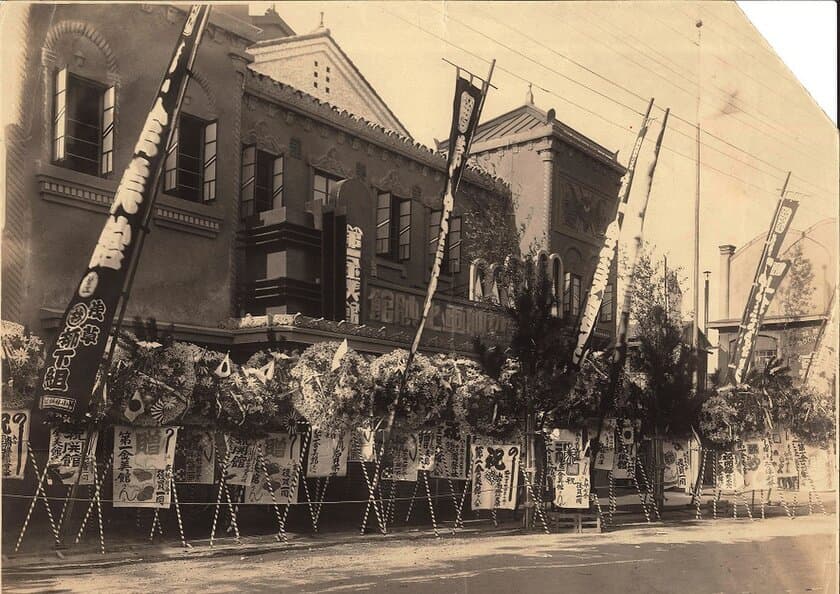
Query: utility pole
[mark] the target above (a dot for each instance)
(695, 338)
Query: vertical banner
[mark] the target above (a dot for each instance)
(403, 455)
(327, 453)
(65, 456)
(605, 459)
(495, 476)
(595, 296)
(625, 455)
(73, 360)
(571, 487)
(676, 458)
(353, 292)
(14, 440)
(363, 445)
(195, 456)
(143, 459)
(730, 475)
(768, 277)
(426, 447)
(453, 457)
(754, 463)
(281, 452)
(241, 456)
(466, 110)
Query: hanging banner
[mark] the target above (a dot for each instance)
(404, 463)
(676, 457)
(453, 453)
(754, 464)
(426, 447)
(783, 461)
(730, 474)
(595, 296)
(195, 456)
(143, 459)
(327, 453)
(353, 271)
(466, 110)
(362, 446)
(65, 456)
(571, 486)
(14, 440)
(281, 453)
(605, 459)
(625, 455)
(74, 358)
(768, 277)
(241, 455)
(495, 476)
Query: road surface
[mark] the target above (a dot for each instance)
(774, 555)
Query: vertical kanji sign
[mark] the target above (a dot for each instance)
(73, 360)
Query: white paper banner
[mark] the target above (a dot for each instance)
(281, 452)
(14, 440)
(403, 455)
(754, 463)
(571, 486)
(143, 460)
(495, 476)
(426, 446)
(730, 475)
(452, 461)
(676, 458)
(625, 457)
(327, 453)
(65, 455)
(241, 456)
(363, 446)
(195, 457)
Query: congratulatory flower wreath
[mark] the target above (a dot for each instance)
(23, 358)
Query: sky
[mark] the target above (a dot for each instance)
(598, 63)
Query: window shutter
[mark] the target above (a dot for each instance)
(170, 168)
(60, 117)
(383, 224)
(277, 182)
(405, 230)
(107, 158)
(246, 194)
(208, 193)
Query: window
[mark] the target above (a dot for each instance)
(452, 249)
(190, 169)
(83, 124)
(606, 313)
(762, 357)
(393, 227)
(322, 185)
(262, 181)
(571, 294)
(454, 245)
(405, 231)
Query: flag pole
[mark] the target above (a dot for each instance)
(199, 21)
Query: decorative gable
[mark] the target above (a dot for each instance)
(314, 63)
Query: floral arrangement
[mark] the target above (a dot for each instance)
(338, 399)
(423, 401)
(258, 395)
(152, 384)
(23, 359)
(485, 407)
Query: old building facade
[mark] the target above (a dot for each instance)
(266, 192)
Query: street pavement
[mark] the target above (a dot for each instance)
(773, 555)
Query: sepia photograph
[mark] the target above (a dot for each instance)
(419, 296)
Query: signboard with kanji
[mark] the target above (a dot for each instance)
(143, 459)
(495, 476)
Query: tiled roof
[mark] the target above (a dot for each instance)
(295, 98)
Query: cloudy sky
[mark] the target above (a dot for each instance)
(598, 63)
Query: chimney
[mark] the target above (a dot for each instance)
(726, 252)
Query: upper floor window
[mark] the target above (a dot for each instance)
(571, 294)
(262, 181)
(393, 227)
(190, 169)
(452, 249)
(322, 185)
(606, 313)
(83, 124)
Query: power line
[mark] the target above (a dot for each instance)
(626, 129)
(629, 91)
